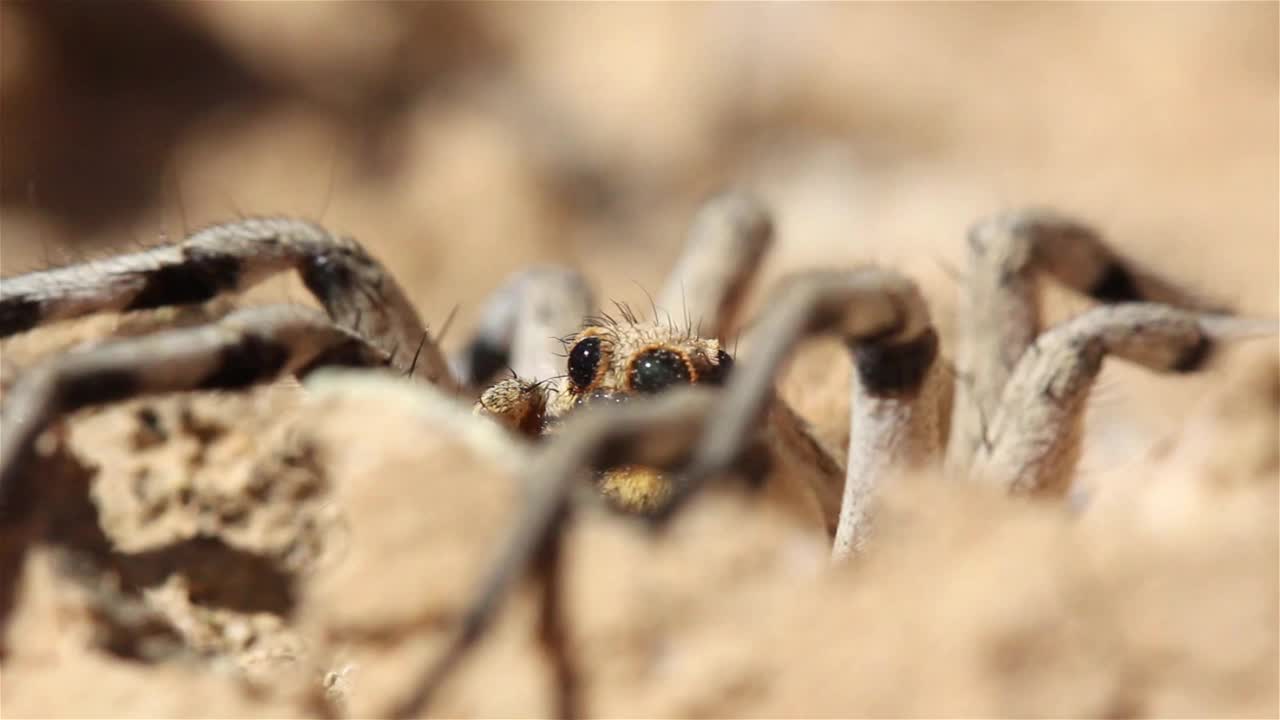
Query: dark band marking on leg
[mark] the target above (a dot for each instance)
(484, 359)
(249, 361)
(1195, 356)
(756, 462)
(97, 388)
(353, 353)
(327, 277)
(1117, 284)
(199, 278)
(18, 314)
(899, 369)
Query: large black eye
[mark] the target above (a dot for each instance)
(584, 360)
(720, 373)
(654, 370)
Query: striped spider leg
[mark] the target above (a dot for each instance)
(356, 291)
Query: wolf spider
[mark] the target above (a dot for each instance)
(1009, 413)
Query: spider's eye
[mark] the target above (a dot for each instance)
(655, 370)
(584, 360)
(719, 374)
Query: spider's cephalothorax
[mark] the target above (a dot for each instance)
(636, 358)
(609, 361)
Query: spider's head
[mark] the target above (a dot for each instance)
(621, 361)
(613, 362)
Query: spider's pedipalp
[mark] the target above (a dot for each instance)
(1000, 311)
(244, 348)
(521, 324)
(354, 288)
(1036, 431)
(515, 403)
(726, 243)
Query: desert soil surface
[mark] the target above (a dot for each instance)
(307, 549)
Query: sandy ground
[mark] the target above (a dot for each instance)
(305, 550)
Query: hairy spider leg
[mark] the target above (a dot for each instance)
(353, 287)
(999, 313)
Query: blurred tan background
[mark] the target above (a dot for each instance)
(461, 142)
